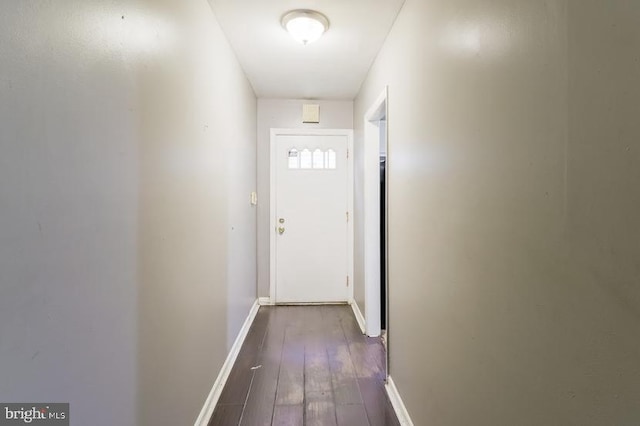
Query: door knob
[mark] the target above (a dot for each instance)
(281, 230)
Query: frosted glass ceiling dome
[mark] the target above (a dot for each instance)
(306, 26)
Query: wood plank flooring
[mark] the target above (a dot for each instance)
(306, 366)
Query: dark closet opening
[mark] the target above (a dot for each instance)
(383, 246)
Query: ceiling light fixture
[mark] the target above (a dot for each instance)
(306, 26)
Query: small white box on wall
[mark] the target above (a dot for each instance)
(310, 113)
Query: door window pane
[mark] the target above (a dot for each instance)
(294, 159)
(331, 159)
(305, 159)
(318, 159)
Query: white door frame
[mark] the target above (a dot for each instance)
(272, 207)
(371, 155)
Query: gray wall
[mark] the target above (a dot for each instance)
(285, 114)
(123, 207)
(514, 210)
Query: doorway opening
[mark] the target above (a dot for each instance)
(383, 226)
(375, 157)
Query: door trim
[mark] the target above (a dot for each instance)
(275, 132)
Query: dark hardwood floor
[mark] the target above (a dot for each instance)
(306, 365)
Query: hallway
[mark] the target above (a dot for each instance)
(141, 217)
(306, 365)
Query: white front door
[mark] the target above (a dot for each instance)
(311, 215)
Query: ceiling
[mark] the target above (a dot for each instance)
(331, 68)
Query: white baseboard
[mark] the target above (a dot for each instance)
(218, 385)
(265, 301)
(359, 316)
(396, 402)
